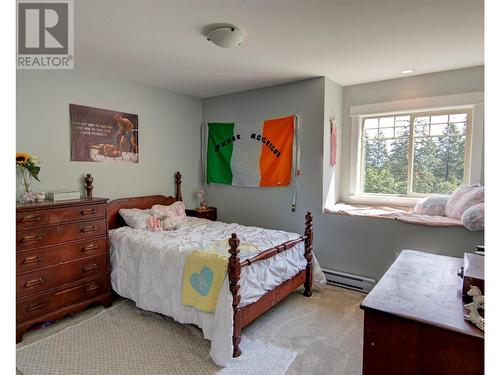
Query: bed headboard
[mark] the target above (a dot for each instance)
(114, 218)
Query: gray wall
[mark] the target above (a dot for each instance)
(271, 207)
(169, 128)
(359, 245)
(332, 110)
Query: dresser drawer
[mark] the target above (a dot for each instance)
(30, 308)
(31, 219)
(38, 281)
(49, 256)
(36, 237)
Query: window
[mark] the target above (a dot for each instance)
(396, 152)
(414, 154)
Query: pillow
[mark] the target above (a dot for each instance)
(136, 218)
(156, 223)
(433, 206)
(463, 197)
(473, 217)
(176, 210)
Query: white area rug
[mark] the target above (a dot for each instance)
(126, 340)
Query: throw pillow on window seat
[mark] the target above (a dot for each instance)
(473, 217)
(463, 197)
(433, 206)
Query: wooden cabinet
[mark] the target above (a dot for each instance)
(414, 320)
(62, 262)
(209, 214)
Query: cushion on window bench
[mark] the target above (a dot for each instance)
(434, 206)
(463, 197)
(473, 217)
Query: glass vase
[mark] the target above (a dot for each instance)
(27, 196)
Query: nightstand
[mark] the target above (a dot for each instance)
(209, 214)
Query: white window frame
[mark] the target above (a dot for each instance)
(472, 103)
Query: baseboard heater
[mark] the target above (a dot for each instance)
(346, 280)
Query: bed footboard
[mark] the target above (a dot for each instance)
(243, 316)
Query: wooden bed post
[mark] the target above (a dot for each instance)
(308, 254)
(234, 270)
(178, 193)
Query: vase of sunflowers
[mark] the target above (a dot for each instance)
(28, 167)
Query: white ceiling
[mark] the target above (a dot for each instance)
(160, 42)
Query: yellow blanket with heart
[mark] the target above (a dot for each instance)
(204, 273)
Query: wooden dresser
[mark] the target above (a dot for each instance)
(414, 320)
(62, 262)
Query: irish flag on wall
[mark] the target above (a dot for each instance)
(251, 153)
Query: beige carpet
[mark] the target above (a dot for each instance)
(325, 330)
(124, 340)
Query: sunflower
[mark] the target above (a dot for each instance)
(22, 158)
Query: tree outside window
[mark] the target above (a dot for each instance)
(414, 154)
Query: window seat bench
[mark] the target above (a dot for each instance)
(400, 213)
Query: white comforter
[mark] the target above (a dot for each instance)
(147, 267)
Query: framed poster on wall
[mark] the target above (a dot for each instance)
(101, 135)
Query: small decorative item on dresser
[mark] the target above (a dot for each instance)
(63, 195)
(477, 303)
(40, 197)
(203, 202)
(210, 213)
(88, 184)
(27, 166)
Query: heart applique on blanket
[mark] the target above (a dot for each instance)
(202, 281)
(204, 275)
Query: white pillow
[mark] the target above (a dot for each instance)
(473, 217)
(463, 197)
(174, 211)
(432, 205)
(135, 217)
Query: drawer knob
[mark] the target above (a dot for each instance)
(30, 260)
(90, 247)
(31, 218)
(35, 306)
(88, 228)
(32, 283)
(88, 211)
(90, 267)
(91, 288)
(32, 238)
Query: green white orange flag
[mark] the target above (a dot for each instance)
(251, 153)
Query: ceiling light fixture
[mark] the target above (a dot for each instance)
(226, 36)
(407, 71)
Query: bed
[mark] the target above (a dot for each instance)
(147, 266)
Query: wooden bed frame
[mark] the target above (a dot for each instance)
(242, 315)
